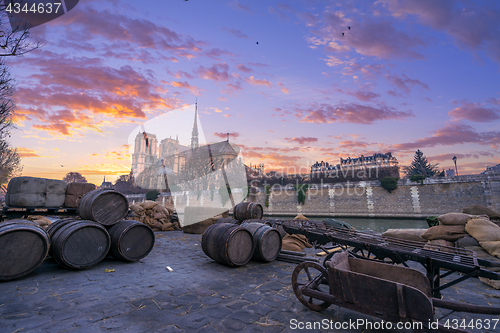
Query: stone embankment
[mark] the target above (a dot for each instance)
(435, 196)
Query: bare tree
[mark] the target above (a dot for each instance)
(74, 177)
(15, 39)
(10, 162)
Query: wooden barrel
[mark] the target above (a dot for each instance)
(228, 244)
(267, 241)
(23, 247)
(131, 240)
(228, 220)
(106, 207)
(247, 210)
(80, 244)
(54, 226)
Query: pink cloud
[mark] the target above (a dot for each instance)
(349, 113)
(283, 88)
(258, 82)
(244, 68)
(237, 6)
(218, 72)
(369, 38)
(235, 32)
(453, 134)
(224, 135)
(88, 23)
(403, 82)
(348, 144)
(473, 25)
(474, 112)
(302, 140)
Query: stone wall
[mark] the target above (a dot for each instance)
(366, 199)
(369, 199)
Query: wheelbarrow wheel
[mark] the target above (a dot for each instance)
(311, 275)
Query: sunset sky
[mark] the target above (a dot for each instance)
(407, 75)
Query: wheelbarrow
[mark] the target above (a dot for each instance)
(389, 292)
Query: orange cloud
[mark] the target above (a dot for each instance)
(26, 152)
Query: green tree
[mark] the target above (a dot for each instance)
(74, 177)
(420, 166)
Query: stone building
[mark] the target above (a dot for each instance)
(376, 166)
(180, 163)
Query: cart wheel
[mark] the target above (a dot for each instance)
(311, 275)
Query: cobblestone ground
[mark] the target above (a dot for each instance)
(199, 295)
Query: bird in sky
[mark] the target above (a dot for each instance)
(349, 28)
(257, 43)
(62, 166)
(342, 34)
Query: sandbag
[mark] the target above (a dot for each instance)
(447, 232)
(467, 241)
(483, 230)
(453, 219)
(492, 248)
(75, 192)
(55, 192)
(26, 185)
(198, 228)
(27, 199)
(407, 234)
(137, 208)
(300, 217)
(158, 216)
(148, 204)
(160, 209)
(295, 242)
(481, 210)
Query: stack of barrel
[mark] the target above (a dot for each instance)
(234, 242)
(75, 243)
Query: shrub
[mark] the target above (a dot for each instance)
(152, 195)
(416, 178)
(301, 193)
(389, 183)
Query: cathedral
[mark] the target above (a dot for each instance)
(152, 162)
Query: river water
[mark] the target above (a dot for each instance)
(377, 225)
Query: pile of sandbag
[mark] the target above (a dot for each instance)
(41, 220)
(155, 215)
(451, 227)
(485, 242)
(295, 242)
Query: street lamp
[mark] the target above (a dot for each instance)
(455, 161)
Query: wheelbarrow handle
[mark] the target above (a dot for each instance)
(465, 307)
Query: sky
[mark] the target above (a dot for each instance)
(293, 82)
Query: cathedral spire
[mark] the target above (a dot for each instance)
(194, 134)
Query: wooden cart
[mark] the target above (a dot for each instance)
(392, 293)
